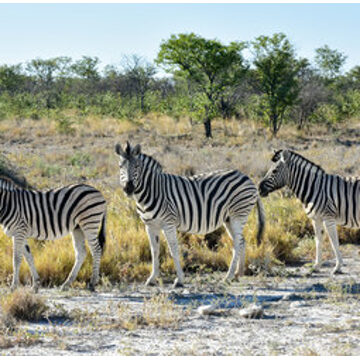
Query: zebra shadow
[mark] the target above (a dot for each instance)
(222, 301)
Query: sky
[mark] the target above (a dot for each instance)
(110, 31)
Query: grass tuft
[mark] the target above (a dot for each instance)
(158, 311)
(24, 305)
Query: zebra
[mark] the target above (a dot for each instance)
(78, 209)
(198, 205)
(328, 199)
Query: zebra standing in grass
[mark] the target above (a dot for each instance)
(198, 205)
(27, 213)
(327, 199)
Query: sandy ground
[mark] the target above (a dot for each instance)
(303, 315)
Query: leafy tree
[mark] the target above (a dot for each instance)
(11, 78)
(210, 65)
(354, 77)
(277, 71)
(312, 93)
(329, 61)
(46, 72)
(88, 76)
(87, 68)
(139, 75)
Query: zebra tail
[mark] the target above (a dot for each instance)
(102, 234)
(261, 221)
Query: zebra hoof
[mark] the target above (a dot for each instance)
(64, 287)
(91, 287)
(178, 284)
(150, 282)
(337, 272)
(312, 270)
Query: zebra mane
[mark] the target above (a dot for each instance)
(10, 175)
(151, 160)
(318, 167)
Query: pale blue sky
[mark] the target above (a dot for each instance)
(112, 30)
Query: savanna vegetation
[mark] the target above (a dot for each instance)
(205, 80)
(60, 120)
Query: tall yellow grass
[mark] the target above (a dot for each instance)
(54, 159)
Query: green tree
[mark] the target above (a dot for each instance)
(87, 68)
(329, 61)
(139, 75)
(11, 78)
(46, 72)
(277, 69)
(210, 65)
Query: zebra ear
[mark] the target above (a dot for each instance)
(119, 150)
(276, 155)
(285, 154)
(128, 148)
(136, 150)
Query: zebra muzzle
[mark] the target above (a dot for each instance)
(129, 188)
(263, 191)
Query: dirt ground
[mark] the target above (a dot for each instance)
(302, 315)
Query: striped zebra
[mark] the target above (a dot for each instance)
(198, 205)
(328, 199)
(77, 209)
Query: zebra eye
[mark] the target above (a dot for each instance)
(122, 163)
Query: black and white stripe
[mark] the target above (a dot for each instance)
(328, 199)
(77, 209)
(198, 204)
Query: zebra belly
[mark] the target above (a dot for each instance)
(203, 229)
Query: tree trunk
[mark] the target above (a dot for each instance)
(207, 126)
(274, 123)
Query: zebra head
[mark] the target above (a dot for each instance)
(278, 175)
(130, 167)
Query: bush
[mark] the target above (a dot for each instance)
(350, 103)
(24, 305)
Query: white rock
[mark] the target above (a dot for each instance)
(206, 309)
(252, 312)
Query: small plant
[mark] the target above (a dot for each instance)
(80, 159)
(65, 126)
(158, 311)
(24, 305)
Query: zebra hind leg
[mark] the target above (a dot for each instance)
(234, 226)
(30, 260)
(80, 254)
(330, 226)
(96, 253)
(18, 248)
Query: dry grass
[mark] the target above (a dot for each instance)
(158, 311)
(50, 158)
(23, 305)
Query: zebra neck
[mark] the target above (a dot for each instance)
(7, 203)
(149, 189)
(303, 179)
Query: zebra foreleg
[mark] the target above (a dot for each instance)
(96, 255)
(30, 260)
(18, 248)
(154, 239)
(330, 226)
(319, 234)
(170, 234)
(235, 228)
(80, 254)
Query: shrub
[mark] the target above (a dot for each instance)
(24, 305)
